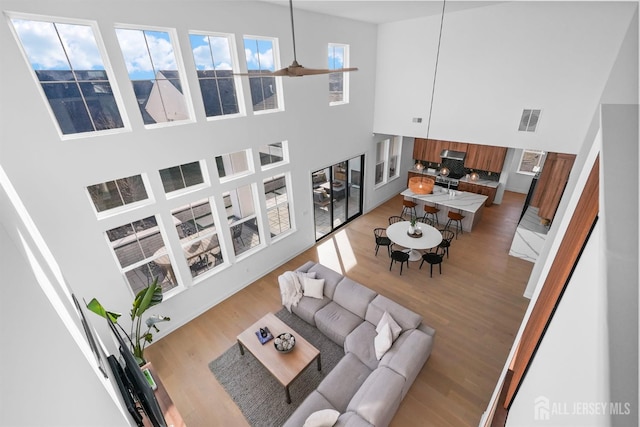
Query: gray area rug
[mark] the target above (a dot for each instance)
(260, 397)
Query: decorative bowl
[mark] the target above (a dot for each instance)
(284, 342)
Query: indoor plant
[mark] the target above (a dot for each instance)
(138, 338)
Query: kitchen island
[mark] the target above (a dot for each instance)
(470, 205)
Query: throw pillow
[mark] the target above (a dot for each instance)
(383, 341)
(313, 288)
(323, 418)
(395, 328)
(301, 276)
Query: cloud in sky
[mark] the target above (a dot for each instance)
(41, 43)
(336, 57)
(146, 52)
(259, 54)
(211, 52)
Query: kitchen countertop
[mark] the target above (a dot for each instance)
(463, 200)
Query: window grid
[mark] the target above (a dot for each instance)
(181, 177)
(277, 203)
(272, 155)
(117, 193)
(338, 82)
(261, 57)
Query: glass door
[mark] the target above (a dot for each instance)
(337, 195)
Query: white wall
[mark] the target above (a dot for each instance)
(51, 175)
(494, 62)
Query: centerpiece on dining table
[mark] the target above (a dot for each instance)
(414, 231)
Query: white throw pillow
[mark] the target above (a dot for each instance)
(313, 288)
(302, 275)
(323, 418)
(395, 328)
(383, 341)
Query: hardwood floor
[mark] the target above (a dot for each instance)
(476, 307)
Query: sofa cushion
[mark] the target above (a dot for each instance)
(336, 322)
(405, 317)
(379, 397)
(351, 419)
(308, 307)
(407, 355)
(353, 296)
(383, 341)
(360, 343)
(313, 288)
(306, 266)
(393, 325)
(314, 402)
(339, 386)
(331, 278)
(322, 418)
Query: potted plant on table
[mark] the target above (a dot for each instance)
(412, 227)
(138, 337)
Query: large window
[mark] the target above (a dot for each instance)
(142, 254)
(387, 160)
(198, 236)
(114, 194)
(180, 177)
(273, 154)
(277, 198)
(154, 73)
(242, 218)
(261, 57)
(233, 165)
(338, 82)
(215, 65)
(69, 66)
(531, 162)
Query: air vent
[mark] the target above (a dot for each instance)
(529, 120)
(417, 120)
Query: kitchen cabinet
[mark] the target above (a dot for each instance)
(485, 157)
(550, 186)
(429, 150)
(490, 192)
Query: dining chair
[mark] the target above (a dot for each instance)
(447, 238)
(236, 233)
(399, 256)
(395, 218)
(433, 258)
(382, 239)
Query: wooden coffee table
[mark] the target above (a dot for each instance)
(285, 367)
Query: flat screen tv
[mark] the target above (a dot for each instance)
(141, 389)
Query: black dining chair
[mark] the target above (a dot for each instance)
(447, 237)
(399, 256)
(433, 258)
(382, 239)
(395, 218)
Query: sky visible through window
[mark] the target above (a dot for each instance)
(336, 57)
(211, 52)
(259, 54)
(146, 52)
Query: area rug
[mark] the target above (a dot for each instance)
(260, 397)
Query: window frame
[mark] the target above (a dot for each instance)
(187, 189)
(345, 75)
(108, 69)
(108, 213)
(277, 79)
(389, 144)
(285, 156)
(288, 202)
(231, 177)
(233, 50)
(182, 73)
(256, 215)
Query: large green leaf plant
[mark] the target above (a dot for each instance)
(138, 337)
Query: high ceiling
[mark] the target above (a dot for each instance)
(381, 11)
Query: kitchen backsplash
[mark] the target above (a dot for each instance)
(457, 166)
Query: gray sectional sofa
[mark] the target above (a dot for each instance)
(366, 391)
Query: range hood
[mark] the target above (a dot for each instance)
(454, 155)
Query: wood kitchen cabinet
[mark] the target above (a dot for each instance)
(490, 192)
(429, 150)
(485, 157)
(550, 186)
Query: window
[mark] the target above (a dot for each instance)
(215, 66)
(261, 58)
(114, 194)
(241, 216)
(142, 254)
(68, 64)
(153, 71)
(272, 154)
(198, 236)
(338, 82)
(179, 177)
(277, 197)
(531, 162)
(234, 165)
(388, 160)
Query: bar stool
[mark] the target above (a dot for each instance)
(431, 212)
(409, 206)
(456, 219)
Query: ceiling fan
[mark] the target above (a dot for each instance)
(295, 69)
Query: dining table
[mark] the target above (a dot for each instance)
(428, 237)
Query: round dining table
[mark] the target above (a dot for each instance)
(399, 233)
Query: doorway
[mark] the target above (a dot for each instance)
(337, 195)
